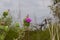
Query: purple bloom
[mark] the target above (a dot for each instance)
(28, 20)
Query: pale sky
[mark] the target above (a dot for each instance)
(38, 8)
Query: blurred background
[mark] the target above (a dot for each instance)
(37, 9)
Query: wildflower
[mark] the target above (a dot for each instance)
(28, 20)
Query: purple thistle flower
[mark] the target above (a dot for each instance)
(28, 20)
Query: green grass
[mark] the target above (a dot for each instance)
(38, 35)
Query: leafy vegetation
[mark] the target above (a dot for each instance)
(9, 31)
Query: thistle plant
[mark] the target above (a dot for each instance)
(27, 21)
(5, 13)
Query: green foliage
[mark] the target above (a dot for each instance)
(38, 35)
(14, 32)
(11, 34)
(3, 31)
(17, 25)
(2, 36)
(26, 23)
(8, 31)
(4, 28)
(5, 13)
(8, 21)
